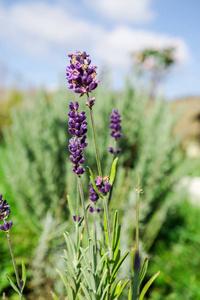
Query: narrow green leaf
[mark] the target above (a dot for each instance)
(93, 183)
(12, 284)
(130, 292)
(106, 231)
(116, 289)
(116, 260)
(69, 292)
(85, 258)
(69, 250)
(71, 244)
(64, 280)
(79, 277)
(93, 283)
(101, 262)
(87, 207)
(122, 288)
(147, 285)
(143, 270)
(23, 275)
(85, 291)
(101, 282)
(70, 268)
(80, 222)
(104, 292)
(133, 250)
(87, 278)
(113, 171)
(117, 242)
(115, 229)
(118, 265)
(54, 296)
(80, 297)
(70, 205)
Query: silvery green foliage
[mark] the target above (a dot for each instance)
(91, 273)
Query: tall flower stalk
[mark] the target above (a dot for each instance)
(82, 77)
(137, 259)
(94, 135)
(77, 127)
(4, 214)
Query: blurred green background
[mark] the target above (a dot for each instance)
(160, 140)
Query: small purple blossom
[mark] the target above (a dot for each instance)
(6, 226)
(75, 218)
(21, 285)
(90, 102)
(80, 75)
(92, 210)
(115, 126)
(103, 186)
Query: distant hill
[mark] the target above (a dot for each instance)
(189, 123)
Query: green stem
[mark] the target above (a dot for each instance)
(14, 263)
(137, 214)
(107, 224)
(95, 227)
(77, 199)
(95, 142)
(83, 205)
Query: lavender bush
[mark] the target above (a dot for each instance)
(93, 258)
(44, 162)
(93, 266)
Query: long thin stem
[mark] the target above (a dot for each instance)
(107, 223)
(137, 255)
(83, 204)
(77, 199)
(95, 143)
(137, 213)
(14, 263)
(95, 227)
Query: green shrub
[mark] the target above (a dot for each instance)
(179, 257)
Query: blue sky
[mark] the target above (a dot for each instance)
(36, 36)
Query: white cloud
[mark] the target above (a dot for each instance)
(47, 31)
(126, 11)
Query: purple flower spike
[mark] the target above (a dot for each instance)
(80, 75)
(115, 126)
(77, 127)
(4, 208)
(6, 226)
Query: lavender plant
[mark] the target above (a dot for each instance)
(99, 257)
(93, 270)
(5, 211)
